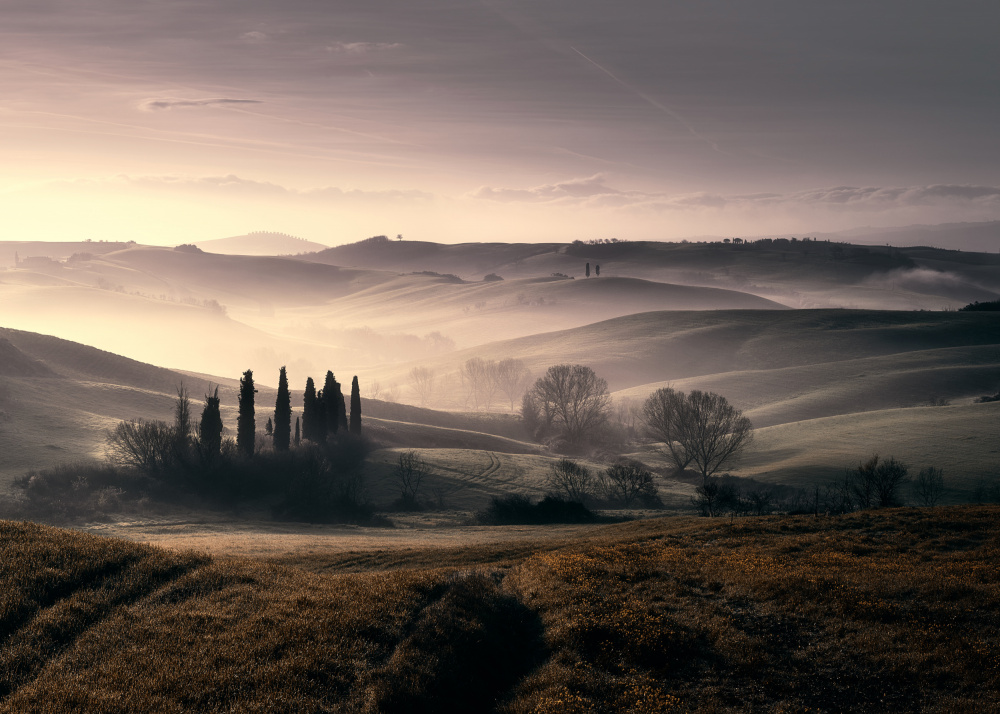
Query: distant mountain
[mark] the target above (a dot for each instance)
(261, 243)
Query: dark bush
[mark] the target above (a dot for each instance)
(990, 306)
(519, 510)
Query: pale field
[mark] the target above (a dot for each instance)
(220, 535)
(466, 479)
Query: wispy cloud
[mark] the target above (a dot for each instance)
(151, 105)
(594, 191)
(234, 185)
(357, 48)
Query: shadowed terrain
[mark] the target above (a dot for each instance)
(880, 612)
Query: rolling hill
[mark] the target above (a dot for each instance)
(261, 243)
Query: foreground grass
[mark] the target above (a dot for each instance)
(890, 611)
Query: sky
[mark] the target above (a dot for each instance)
(174, 121)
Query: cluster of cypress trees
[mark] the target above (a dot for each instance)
(324, 413)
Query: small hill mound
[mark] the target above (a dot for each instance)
(261, 243)
(14, 363)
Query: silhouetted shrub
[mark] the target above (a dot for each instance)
(188, 248)
(492, 278)
(627, 483)
(990, 306)
(519, 510)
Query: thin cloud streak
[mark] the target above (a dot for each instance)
(594, 191)
(165, 104)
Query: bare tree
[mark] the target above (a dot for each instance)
(875, 483)
(409, 475)
(568, 479)
(423, 383)
(701, 429)
(628, 481)
(480, 379)
(928, 486)
(513, 379)
(141, 444)
(575, 397)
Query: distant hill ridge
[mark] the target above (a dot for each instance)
(261, 243)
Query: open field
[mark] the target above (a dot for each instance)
(879, 612)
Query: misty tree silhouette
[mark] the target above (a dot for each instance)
(282, 414)
(210, 428)
(245, 425)
(355, 406)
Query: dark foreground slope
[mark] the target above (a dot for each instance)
(878, 612)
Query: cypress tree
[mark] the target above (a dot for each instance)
(297, 438)
(246, 427)
(282, 414)
(355, 407)
(210, 428)
(333, 403)
(310, 412)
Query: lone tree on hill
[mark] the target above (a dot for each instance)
(571, 397)
(701, 429)
(587, 269)
(312, 414)
(246, 426)
(355, 406)
(210, 428)
(282, 414)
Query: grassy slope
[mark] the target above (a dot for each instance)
(652, 347)
(878, 612)
(789, 394)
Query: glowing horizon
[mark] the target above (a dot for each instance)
(493, 122)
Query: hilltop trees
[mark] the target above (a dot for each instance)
(282, 414)
(569, 399)
(701, 428)
(245, 425)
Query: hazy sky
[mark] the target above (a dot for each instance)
(168, 121)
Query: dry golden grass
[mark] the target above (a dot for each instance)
(876, 611)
